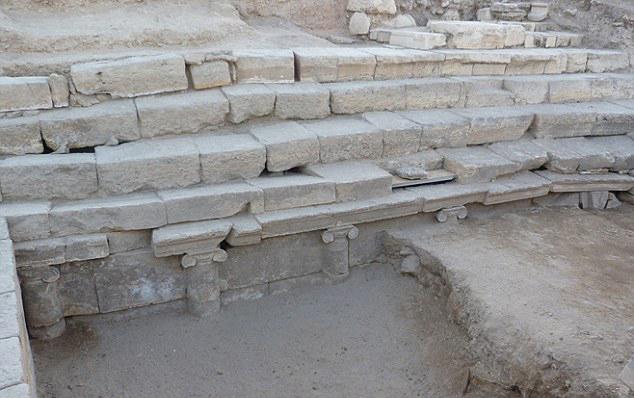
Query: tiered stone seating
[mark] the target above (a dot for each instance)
(196, 174)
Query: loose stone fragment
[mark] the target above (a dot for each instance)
(359, 24)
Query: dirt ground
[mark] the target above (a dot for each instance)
(546, 294)
(376, 335)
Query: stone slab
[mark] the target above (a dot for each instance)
(489, 125)
(620, 147)
(476, 164)
(245, 231)
(24, 93)
(248, 101)
(12, 370)
(228, 157)
(333, 64)
(524, 152)
(587, 182)
(441, 128)
(401, 136)
(403, 63)
(358, 97)
(77, 288)
(433, 93)
(301, 101)
(294, 190)
(354, 180)
(346, 139)
(131, 77)
(264, 66)
(418, 40)
(435, 197)
(10, 316)
(288, 145)
(27, 220)
(520, 186)
(20, 136)
(189, 238)
(210, 74)
(183, 113)
(8, 278)
(123, 241)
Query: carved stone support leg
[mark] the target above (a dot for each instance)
(203, 288)
(42, 303)
(336, 264)
(451, 213)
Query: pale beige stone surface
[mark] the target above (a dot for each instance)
(24, 93)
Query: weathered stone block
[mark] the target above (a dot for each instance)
(523, 152)
(41, 252)
(620, 147)
(59, 90)
(440, 128)
(301, 101)
(227, 157)
(347, 139)
(121, 213)
(417, 39)
(476, 164)
(288, 145)
(358, 97)
(294, 221)
(24, 93)
(20, 136)
(86, 247)
(527, 89)
(12, 364)
(359, 24)
(606, 61)
(183, 113)
(470, 34)
(210, 74)
(77, 288)
(27, 221)
(520, 186)
(354, 180)
(155, 164)
(587, 182)
(372, 6)
(131, 77)
(292, 190)
(128, 280)
(8, 278)
(392, 63)
(436, 197)
(245, 231)
(92, 126)
(496, 124)
(209, 202)
(433, 93)
(332, 64)
(119, 242)
(575, 89)
(265, 66)
(400, 135)
(248, 101)
(190, 238)
(564, 120)
(9, 315)
(72, 176)
(561, 157)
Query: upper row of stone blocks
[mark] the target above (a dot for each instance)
(154, 74)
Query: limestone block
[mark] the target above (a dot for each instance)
(488, 97)
(433, 93)
(92, 126)
(12, 364)
(301, 101)
(539, 12)
(575, 89)
(606, 61)
(64, 176)
(527, 89)
(470, 34)
(294, 190)
(417, 39)
(476, 164)
(131, 77)
(189, 238)
(561, 157)
(128, 280)
(610, 119)
(4, 229)
(331, 64)
(359, 97)
(8, 278)
(436, 197)
(400, 21)
(354, 180)
(265, 66)
(509, 11)
(608, 85)
(359, 24)
(372, 6)
(576, 61)
(123, 241)
(594, 200)
(24, 93)
(381, 35)
(288, 145)
(484, 14)
(210, 74)
(86, 247)
(520, 186)
(155, 164)
(426, 160)
(60, 93)
(488, 69)
(564, 120)
(440, 128)
(209, 202)
(227, 157)
(245, 231)
(294, 221)
(545, 39)
(620, 147)
(587, 182)
(27, 220)
(120, 213)
(42, 252)
(183, 113)
(20, 136)
(10, 317)
(400, 203)
(248, 101)
(77, 288)
(274, 259)
(346, 139)
(515, 35)
(558, 200)
(400, 135)
(496, 124)
(404, 63)
(591, 157)
(529, 155)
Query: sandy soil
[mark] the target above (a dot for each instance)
(376, 335)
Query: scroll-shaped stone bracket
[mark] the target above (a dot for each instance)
(451, 213)
(43, 306)
(336, 263)
(199, 244)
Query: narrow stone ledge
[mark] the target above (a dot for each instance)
(265, 66)
(27, 220)
(294, 190)
(354, 180)
(525, 185)
(24, 93)
(57, 251)
(346, 139)
(587, 182)
(228, 157)
(288, 145)
(332, 64)
(436, 197)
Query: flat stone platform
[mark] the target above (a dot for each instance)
(376, 335)
(546, 295)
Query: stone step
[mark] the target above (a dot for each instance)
(89, 83)
(112, 122)
(180, 162)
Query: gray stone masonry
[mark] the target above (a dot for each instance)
(587, 182)
(24, 93)
(228, 157)
(288, 145)
(529, 155)
(265, 66)
(346, 139)
(476, 164)
(294, 190)
(20, 136)
(248, 101)
(27, 220)
(131, 77)
(301, 101)
(496, 124)
(524, 185)
(441, 128)
(210, 74)
(401, 136)
(354, 180)
(358, 97)
(332, 64)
